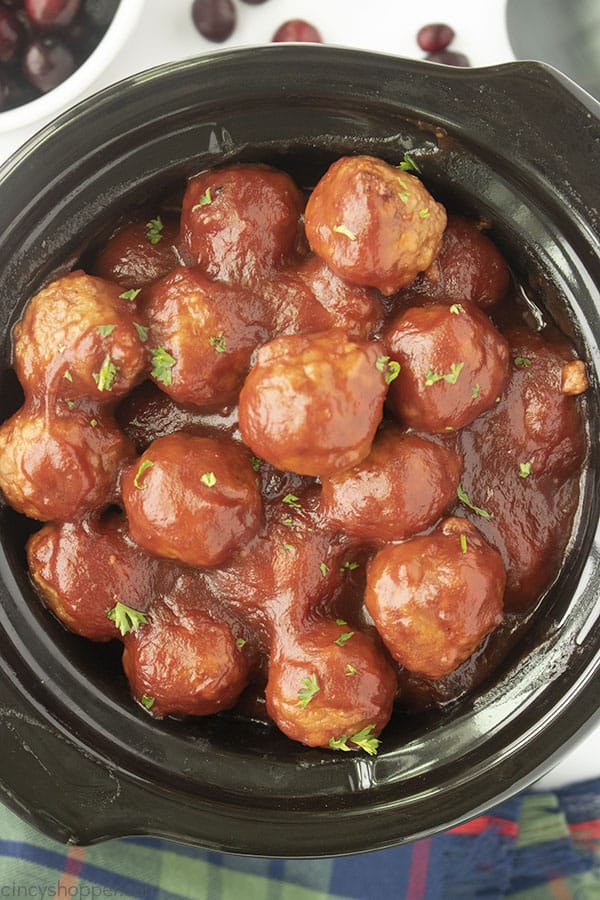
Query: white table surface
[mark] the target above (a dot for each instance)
(166, 33)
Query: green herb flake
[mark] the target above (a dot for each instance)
(70, 403)
(105, 330)
(105, 378)
(423, 213)
(154, 230)
(205, 200)
(366, 740)
(344, 638)
(389, 367)
(143, 467)
(408, 164)
(219, 342)
(324, 569)
(349, 567)
(450, 377)
(292, 501)
(209, 479)
(130, 295)
(288, 547)
(524, 470)
(340, 622)
(522, 361)
(147, 701)
(464, 498)
(341, 229)
(93, 422)
(240, 642)
(288, 521)
(475, 391)
(61, 348)
(404, 195)
(142, 331)
(255, 463)
(351, 670)
(463, 542)
(339, 743)
(162, 363)
(457, 309)
(126, 618)
(309, 688)
(68, 376)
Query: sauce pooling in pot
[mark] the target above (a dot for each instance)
(312, 458)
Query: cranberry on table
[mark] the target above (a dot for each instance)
(297, 30)
(214, 19)
(11, 36)
(47, 63)
(435, 36)
(51, 14)
(449, 58)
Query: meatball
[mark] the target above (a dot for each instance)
(312, 403)
(468, 269)
(62, 466)
(453, 366)
(374, 224)
(78, 337)
(139, 253)
(241, 223)
(433, 599)
(209, 331)
(402, 487)
(331, 684)
(115, 571)
(194, 499)
(184, 665)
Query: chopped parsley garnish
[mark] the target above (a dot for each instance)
(390, 367)
(463, 542)
(143, 467)
(126, 618)
(105, 378)
(408, 164)
(451, 377)
(344, 638)
(240, 642)
(256, 463)
(288, 521)
(288, 547)
(61, 348)
(205, 200)
(219, 342)
(524, 470)
(423, 213)
(162, 363)
(475, 391)
(324, 569)
(350, 670)
(341, 229)
(93, 422)
(154, 230)
(363, 739)
(456, 309)
(70, 403)
(522, 361)
(147, 701)
(292, 501)
(340, 622)
(349, 566)
(309, 688)
(404, 195)
(105, 330)
(142, 331)
(130, 295)
(68, 376)
(464, 498)
(209, 479)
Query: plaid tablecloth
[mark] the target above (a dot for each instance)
(536, 846)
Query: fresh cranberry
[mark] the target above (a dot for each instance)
(52, 14)
(449, 58)
(434, 37)
(214, 19)
(11, 36)
(47, 63)
(297, 30)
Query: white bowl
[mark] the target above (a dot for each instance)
(72, 89)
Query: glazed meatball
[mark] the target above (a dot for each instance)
(62, 466)
(453, 366)
(312, 403)
(185, 664)
(522, 460)
(139, 253)
(403, 486)
(334, 682)
(433, 599)
(241, 223)
(194, 499)
(79, 338)
(209, 332)
(115, 571)
(374, 224)
(468, 269)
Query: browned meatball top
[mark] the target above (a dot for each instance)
(374, 224)
(139, 253)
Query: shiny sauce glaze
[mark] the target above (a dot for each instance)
(309, 463)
